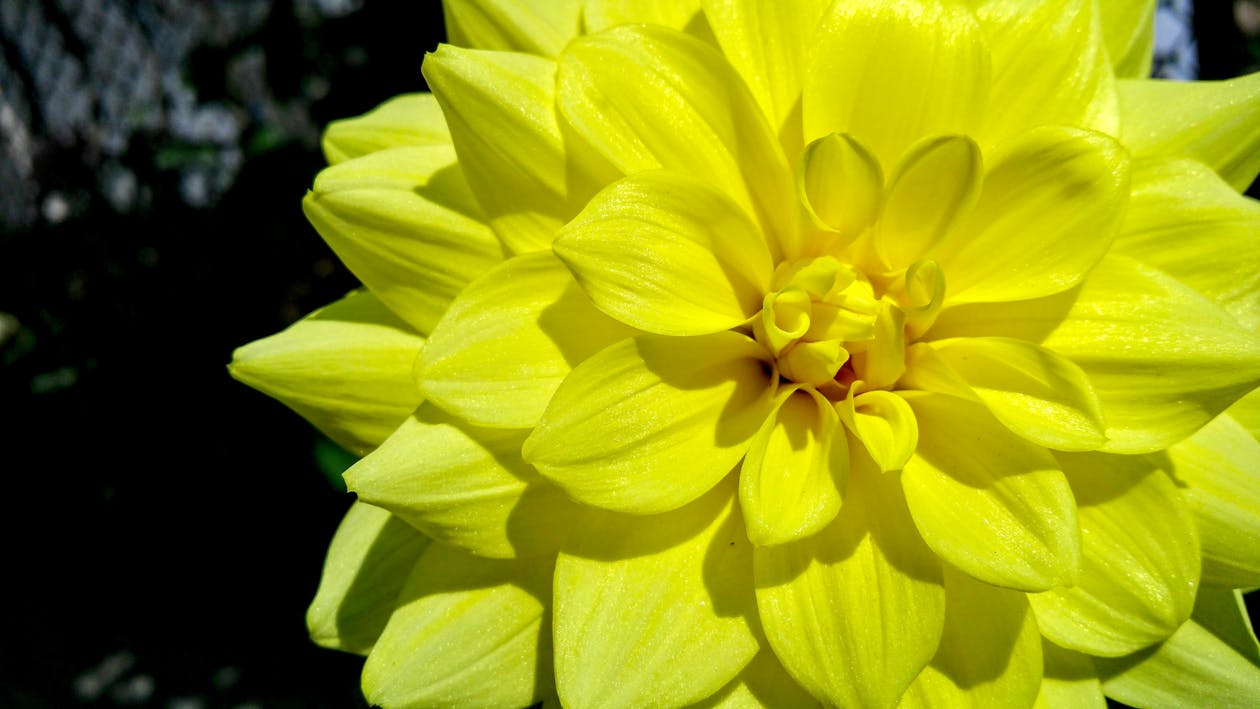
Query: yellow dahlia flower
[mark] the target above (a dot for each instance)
(777, 353)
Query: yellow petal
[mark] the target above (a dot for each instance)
(933, 186)
(990, 652)
(669, 254)
(1223, 612)
(1129, 30)
(651, 423)
(892, 73)
(1050, 205)
(1030, 389)
(534, 26)
(1193, 362)
(404, 222)
(1192, 668)
(464, 486)
(767, 41)
(508, 341)
(346, 368)
(1214, 122)
(1189, 223)
(1050, 67)
(855, 611)
(885, 425)
(675, 14)
(654, 611)
(1246, 411)
(1139, 559)
(646, 97)
(987, 501)
(763, 683)
(368, 562)
(468, 632)
(1068, 680)
(842, 187)
(1219, 467)
(408, 119)
(500, 107)
(792, 476)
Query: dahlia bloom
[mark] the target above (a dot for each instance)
(748, 353)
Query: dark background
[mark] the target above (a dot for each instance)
(164, 526)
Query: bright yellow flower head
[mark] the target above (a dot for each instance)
(749, 353)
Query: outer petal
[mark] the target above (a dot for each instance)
(987, 501)
(635, 597)
(368, 562)
(464, 486)
(789, 484)
(651, 423)
(409, 119)
(1192, 668)
(990, 652)
(645, 97)
(1189, 223)
(1050, 67)
(1246, 411)
(675, 14)
(1069, 679)
(1223, 612)
(668, 254)
(345, 368)
(1140, 559)
(1030, 389)
(508, 341)
(468, 632)
(841, 186)
(501, 110)
(1214, 122)
(856, 611)
(533, 26)
(892, 73)
(1219, 468)
(1129, 29)
(763, 683)
(404, 222)
(1193, 362)
(1050, 204)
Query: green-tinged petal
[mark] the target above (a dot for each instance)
(346, 368)
(987, 501)
(1069, 679)
(892, 73)
(464, 486)
(855, 611)
(932, 187)
(1033, 391)
(792, 477)
(404, 222)
(651, 423)
(1050, 67)
(885, 425)
(763, 684)
(368, 562)
(409, 119)
(1192, 359)
(1214, 122)
(1223, 612)
(1050, 205)
(1189, 223)
(767, 41)
(654, 611)
(508, 341)
(1219, 469)
(841, 186)
(500, 107)
(1193, 668)
(468, 632)
(1139, 559)
(675, 14)
(990, 652)
(1129, 30)
(533, 26)
(1246, 411)
(646, 97)
(669, 254)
